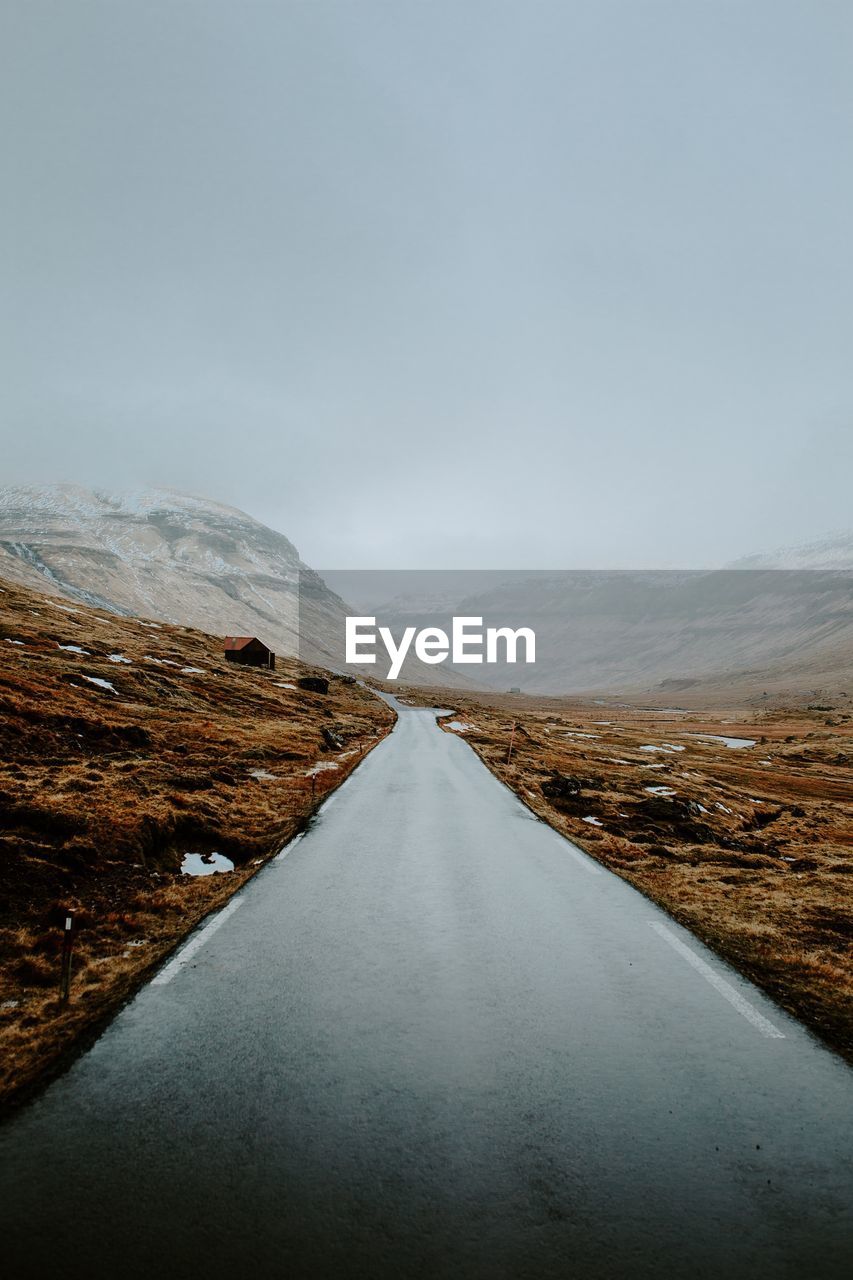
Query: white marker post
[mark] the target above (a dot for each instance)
(65, 972)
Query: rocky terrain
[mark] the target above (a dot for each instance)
(136, 764)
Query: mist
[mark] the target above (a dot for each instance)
(478, 285)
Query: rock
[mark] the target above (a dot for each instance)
(677, 815)
(332, 740)
(314, 684)
(561, 786)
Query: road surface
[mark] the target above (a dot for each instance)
(435, 1040)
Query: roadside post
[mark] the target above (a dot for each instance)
(511, 740)
(65, 972)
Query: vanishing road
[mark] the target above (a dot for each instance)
(432, 1039)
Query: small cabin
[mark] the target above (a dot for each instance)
(249, 651)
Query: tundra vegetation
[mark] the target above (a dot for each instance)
(750, 847)
(126, 746)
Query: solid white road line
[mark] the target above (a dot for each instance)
(288, 848)
(726, 990)
(186, 953)
(587, 863)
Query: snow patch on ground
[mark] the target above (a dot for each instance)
(102, 684)
(593, 822)
(659, 791)
(283, 685)
(571, 734)
(192, 671)
(262, 775)
(459, 726)
(118, 657)
(666, 747)
(201, 864)
(73, 648)
(9, 640)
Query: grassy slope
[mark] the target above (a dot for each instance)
(102, 793)
(764, 877)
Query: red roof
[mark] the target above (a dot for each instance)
(240, 642)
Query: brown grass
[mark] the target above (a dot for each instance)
(765, 876)
(102, 793)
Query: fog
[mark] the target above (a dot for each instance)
(452, 284)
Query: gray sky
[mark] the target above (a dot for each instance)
(459, 283)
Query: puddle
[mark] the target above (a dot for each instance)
(734, 743)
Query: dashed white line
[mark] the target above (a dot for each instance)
(582, 859)
(726, 990)
(187, 952)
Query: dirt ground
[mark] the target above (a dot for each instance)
(124, 746)
(751, 847)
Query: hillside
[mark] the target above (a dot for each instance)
(170, 556)
(128, 750)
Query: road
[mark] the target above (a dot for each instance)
(432, 1039)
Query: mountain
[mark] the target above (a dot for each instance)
(188, 560)
(163, 554)
(667, 634)
(835, 551)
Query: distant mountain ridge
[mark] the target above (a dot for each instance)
(169, 555)
(833, 551)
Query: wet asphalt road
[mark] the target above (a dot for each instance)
(433, 1040)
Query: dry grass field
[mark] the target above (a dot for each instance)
(125, 745)
(751, 847)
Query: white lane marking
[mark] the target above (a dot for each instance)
(585, 862)
(288, 848)
(726, 990)
(187, 952)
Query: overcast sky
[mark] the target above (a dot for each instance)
(450, 283)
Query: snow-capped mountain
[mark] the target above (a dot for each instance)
(835, 551)
(163, 554)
